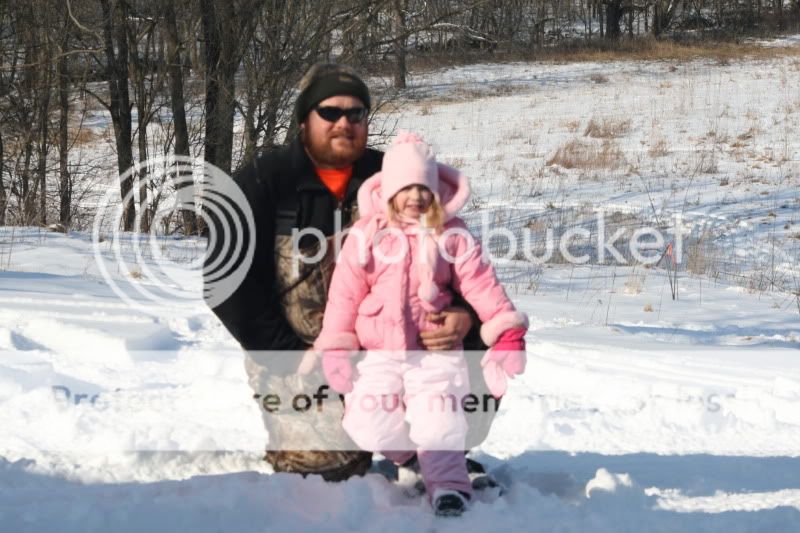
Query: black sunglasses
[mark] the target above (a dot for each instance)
(333, 114)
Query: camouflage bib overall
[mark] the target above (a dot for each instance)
(311, 440)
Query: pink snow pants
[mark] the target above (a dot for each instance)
(406, 402)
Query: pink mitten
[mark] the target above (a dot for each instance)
(505, 358)
(338, 370)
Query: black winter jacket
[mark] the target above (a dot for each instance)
(284, 191)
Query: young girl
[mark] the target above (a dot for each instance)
(397, 265)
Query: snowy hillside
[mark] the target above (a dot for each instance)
(637, 411)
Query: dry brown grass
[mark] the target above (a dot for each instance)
(702, 257)
(460, 94)
(588, 156)
(749, 134)
(598, 51)
(716, 137)
(393, 106)
(621, 217)
(660, 148)
(456, 162)
(607, 128)
(650, 49)
(516, 135)
(83, 136)
(646, 48)
(634, 284)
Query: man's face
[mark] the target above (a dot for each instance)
(335, 144)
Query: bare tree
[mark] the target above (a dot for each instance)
(26, 89)
(45, 84)
(399, 10)
(228, 26)
(2, 185)
(614, 13)
(64, 182)
(249, 55)
(4, 90)
(174, 59)
(289, 37)
(146, 79)
(663, 13)
(114, 39)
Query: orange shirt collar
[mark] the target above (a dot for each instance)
(336, 179)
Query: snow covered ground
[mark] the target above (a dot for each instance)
(637, 412)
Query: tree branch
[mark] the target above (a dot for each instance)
(81, 26)
(96, 97)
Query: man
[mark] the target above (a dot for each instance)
(280, 304)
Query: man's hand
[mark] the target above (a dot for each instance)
(455, 324)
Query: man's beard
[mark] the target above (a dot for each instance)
(323, 154)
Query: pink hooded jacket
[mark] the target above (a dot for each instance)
(380, 294)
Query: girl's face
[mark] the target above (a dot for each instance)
(412, 201)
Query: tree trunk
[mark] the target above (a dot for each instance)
(3, 197)
(44, 148)
(175, 70)
(183, 179)
(220, 83)
(64, 181)
(28, 193)
(44, 134)
(656, 19)
(614, 14)
(600, 14)
(250, 131)
(140, 61)
(114, 33)
(630, 19)
(141, 101)
(144, 176)
(400, 7)
(587, 17)
(227, 26)
(30, 84)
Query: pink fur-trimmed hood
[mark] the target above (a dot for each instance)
(410, 161)
(454, 192)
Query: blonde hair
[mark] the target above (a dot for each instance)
(432, 218)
